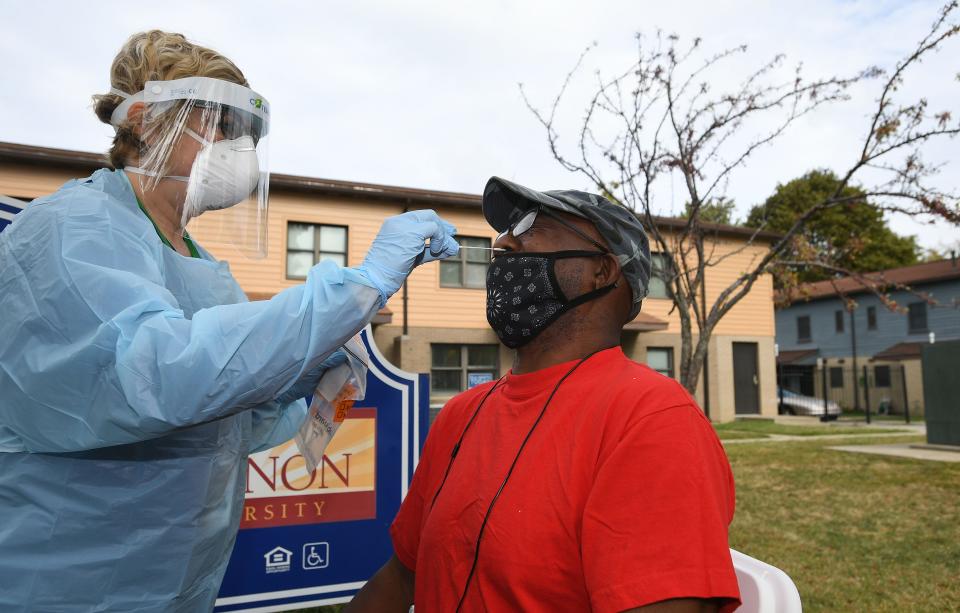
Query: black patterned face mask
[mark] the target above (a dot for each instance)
(524, 297)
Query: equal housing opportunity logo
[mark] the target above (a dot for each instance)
(277, 560)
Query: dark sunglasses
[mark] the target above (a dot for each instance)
(527, 219)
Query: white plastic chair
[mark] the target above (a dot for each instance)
(764, 588)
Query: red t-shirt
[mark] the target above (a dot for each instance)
(621, 498)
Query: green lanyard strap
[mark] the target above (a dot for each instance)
(194, 253)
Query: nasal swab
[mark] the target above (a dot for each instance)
(497, 249)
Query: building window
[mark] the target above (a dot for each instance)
(803, 329)
(469, 268)
(308, 244)
(836, 376)
(917, 317)
(660, 359)
(871, 318)
(456, 368)
(838, 321)
(657, 286)
(881, 376)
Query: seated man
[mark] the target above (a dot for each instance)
(581, 480)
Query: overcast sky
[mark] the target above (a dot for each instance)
(425, 94)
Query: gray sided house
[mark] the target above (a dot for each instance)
(870, 355)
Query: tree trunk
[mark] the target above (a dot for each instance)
(693, 356)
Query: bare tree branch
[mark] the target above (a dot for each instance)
(660, 118)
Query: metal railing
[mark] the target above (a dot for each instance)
(875, 389)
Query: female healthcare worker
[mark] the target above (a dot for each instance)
(134, 376)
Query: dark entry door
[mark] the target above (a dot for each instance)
(746, 379)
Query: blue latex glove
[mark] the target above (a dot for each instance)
(308, 382)
(399, 248)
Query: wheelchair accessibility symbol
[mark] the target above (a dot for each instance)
(316, 555)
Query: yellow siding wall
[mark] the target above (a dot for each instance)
(429, 304)
(269, 275)
(29, 182)
(432, 305)
(753, 315)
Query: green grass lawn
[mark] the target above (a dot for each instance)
(856, 532)
(728, 435)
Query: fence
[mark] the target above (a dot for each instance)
(874, 389)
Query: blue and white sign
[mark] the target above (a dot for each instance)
(8, 208)
(314, 538)
(478, 378)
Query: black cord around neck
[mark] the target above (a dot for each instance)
(456, 449)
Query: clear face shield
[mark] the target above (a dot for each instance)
(211, 137)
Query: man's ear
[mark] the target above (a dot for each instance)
(608, 271)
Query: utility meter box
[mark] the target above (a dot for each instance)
(941, 392)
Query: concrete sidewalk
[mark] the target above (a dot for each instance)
(906, 450)
(785, 438)
(799, 420)
(872, 430)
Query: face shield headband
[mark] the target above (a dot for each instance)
(201, 90)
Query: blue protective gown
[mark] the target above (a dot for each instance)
(133, 384)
